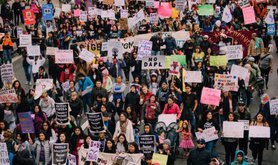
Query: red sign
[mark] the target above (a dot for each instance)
(29, 17)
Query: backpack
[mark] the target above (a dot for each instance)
(150, 112)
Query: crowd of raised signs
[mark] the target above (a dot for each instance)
(137, 82)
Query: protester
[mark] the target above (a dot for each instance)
(199, 155)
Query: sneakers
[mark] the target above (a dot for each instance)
(273, 147)
(26, 83)
(30, 83)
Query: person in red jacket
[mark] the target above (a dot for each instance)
(67, 71)
(172, 108)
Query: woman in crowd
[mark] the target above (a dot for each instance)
(49, 131)
(124, 125)
(42, 149)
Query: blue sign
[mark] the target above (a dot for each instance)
(47, 12)
(271, 29)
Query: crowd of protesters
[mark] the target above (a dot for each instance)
(131, 98)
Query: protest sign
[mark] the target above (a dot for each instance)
(64, 57)
(108, 2)
(123, 24)
(227, 16)
(233, 129)
(136, 19)
(248, 15)
(57, 12)
(167, 118)
(34, 8)
(4, 158)
(243, 3)
(93, 152)
(8, 96)
(271, 29)
(164, 11)
(72, 159)
(144, 48)
(220, 60)
(62, 113)
(205, 10)
(83, 16)
(174, 68)
(153, 62)
(47, 12)
(104, 46)
(96, 122)
(121, 159)
(193, 76)
(86, 56)
(234, 52)
(51, 50)
(177, 58)
(210, 96)
(7, 73)
(273, 105)
(115, 48)
(119, 2)
(66, 8)
(28, 16)
(153, 18)
(94, 47)
(147, 144)
(65, 85)
(259, 132)
(226, 82)
(76, 12)
(33, 50)
(269, 19)
(207, 134)
(246, 124)
(26, 122)
(59, 153)
(180, 4)
(159, 159)
(42, 85)
(240, 72)
(124, 13)
(19, 31)
(25, 40)
(261, 1)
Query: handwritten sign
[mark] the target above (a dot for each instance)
(62, 113)
(7, 73)
(96, 122)
(234, 52)
(153, 62)
(218, 60)
(93, 152)
(241, 72)
(4, 159)
(66, 8)
(210, 96)
(248, 15)
(83, 16)
(193, 76)
(207, 134)
(246, 124)
(72, 159)
(153, 18)
(86, 56)
(144, 48)
(259, 132)
(149, 3)
(273, 104)
(59, 153)
(8, 96)
(180, 4)
(226, 82)
(233, 129)
(64, 57)
(65, 85)
(33, 50)
(25, 40)
(51, 50)
(26, 122)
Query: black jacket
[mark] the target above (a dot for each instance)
(132, 99)
(157, 42)
(199, 157)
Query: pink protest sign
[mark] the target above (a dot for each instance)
(164, 11)
(76, 12)
(210, 96)
(34, 8)
(249, 15)
(164, 4)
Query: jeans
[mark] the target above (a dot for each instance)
(7, 53)
(210, 145)
(16, 19)
(28, 72)
(86, 101)
(154, 52)
(193, 122)
(230, 150)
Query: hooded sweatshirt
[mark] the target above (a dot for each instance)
(236, 162)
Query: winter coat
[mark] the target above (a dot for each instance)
(199, 156)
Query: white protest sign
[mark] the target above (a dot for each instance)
(259, 132)
(241, 72)
(207, 134)
(65, 85)
(119, 2)
(227, 16)
(104, 46)
(269, 19)
(93, 152)
(4, 159)
(7, 73)
(83, 16)
(86, 56)
(129, 159)
(19, 31)
(57, 12)
(8, 96)
(51, 50)
(226, 82)
(144, 48)
(42, 85)
(33, 50)
(66, 7)
(167, 118)
(273, 104)
(180, 4)
(153, 62)
(233, 129)
(64, 57)
(72, 159)
(234, 52)
(115, 48)
(193, 76)
(25, 40)
(153, 18)
(124, 13)
(246, 124)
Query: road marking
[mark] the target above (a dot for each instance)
(16, 58)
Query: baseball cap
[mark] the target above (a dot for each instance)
(201, 141)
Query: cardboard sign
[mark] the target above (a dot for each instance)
(26, 122)
(144, 48)
(210, 96)
(249, 15)
(4, 159)
(62, 113)
(25, 40)
(96, 122)
(59, 153)
(7, 73)
(33, 50)
(124, 13)
(147, 144)
(167, 119)
(66, 8)
(193, 76)
(28, 16)
(51, 50)
(174, 68)
(233, 129)
(207, 134)
(86, 56)
(123, 24)
(226, 82)
(234, 52)
(64, 57)
(115, 48)
(72, 159)
(47, 12)
(93, 152)
(273, 105)
(153, 62)
(246, 124)
(218, 60)
(241, 72)
(108, 2)
(8, 96)
(205, 10)
(259, 132)
(119, 2)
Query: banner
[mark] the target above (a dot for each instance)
(227, 16)
(93, 152)
(233, 129)
(259, 132)
(51, 50)
(207, 134)
(220, 60)
(210, 96)
(47, 12)
(226, 82)
(167, 119)
(64, 57)
(59, 153)
(115, 48)
(241, 72)
(96, 122)
(205, 10)
(72, 159)
(271, 29)
(25, 40)
(193, 76)
(153, 62)
(4, 159)
(160, 159)
(26, 122)
(147, 144)
(273, 105)
(62, 113)
(33, 50)
(7, 73)
(233, 52)
(86, 56)
(8, 96)
(249, 15)
(28, 16)
(144, 48)
(121, 159)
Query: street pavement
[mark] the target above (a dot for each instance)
(270, 156)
